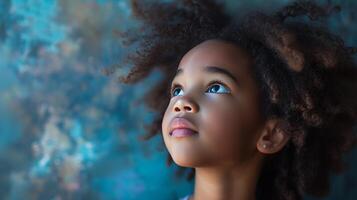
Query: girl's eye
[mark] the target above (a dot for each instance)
(218, 88)
(176, 91)
(215, 87)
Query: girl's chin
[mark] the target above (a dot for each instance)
(187, 153)
(185, 161)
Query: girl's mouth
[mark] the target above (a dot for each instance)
(182, 132)
(181, 127)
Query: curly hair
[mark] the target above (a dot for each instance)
(307, 77)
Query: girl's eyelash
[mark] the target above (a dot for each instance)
(175, 85)
(218, 81)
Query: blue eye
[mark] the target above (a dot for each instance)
(175, 91)
(215, 87)
(218, 88)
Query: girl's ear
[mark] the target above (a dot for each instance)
(272, 138)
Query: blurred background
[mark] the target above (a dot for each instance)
(67, 130)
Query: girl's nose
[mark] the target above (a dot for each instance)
(185, 104)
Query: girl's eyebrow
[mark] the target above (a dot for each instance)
(213, 69)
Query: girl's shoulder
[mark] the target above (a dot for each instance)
(185, 198)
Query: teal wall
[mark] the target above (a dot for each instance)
(67, 131)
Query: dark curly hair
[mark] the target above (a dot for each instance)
(307, 77)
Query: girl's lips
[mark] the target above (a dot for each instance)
(182, 132)
(181, 127)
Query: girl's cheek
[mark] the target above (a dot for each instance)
(214, 121)
(223, 121)
(165, 122)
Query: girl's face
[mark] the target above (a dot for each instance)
(214, 90)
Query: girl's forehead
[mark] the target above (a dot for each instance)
(218, 53)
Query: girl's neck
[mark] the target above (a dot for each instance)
(233, 183)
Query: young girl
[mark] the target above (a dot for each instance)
(260, 107)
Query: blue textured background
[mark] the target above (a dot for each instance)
(69, 132)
